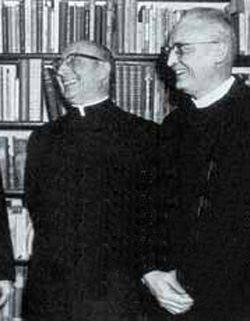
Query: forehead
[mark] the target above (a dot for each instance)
(191, 31)
(87, 50)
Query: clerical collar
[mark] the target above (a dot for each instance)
(95, 102)
(214, 95)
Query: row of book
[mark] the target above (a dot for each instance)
(12, 161)
(21, 91)
(127, 26)
(43, 26)
(140, 91)
(142, 26)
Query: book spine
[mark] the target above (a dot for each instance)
(19, 154)
(133, 26)
(46, 27)
(22, 26)
(63, 13)
(4, 161)
(1, 93)
(87, 22)
(1, 27)
(5, 28)
(34, 27)
(127, 26)
(120, 25)
(24, 90)
(51, 101)
(92, 20)
(109, 24)
(81, 21)
(71, 24)
(98, 24)
(35, 99)
(54, 35)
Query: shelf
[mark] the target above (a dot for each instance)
(21, 262)
(187, 1)
(240, 60)
(136, 57)
(19, 125)
(15, 56)
(48, 56)
(14, 193)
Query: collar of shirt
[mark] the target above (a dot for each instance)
(82, 107)
(214, 95)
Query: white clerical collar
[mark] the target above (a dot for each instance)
(92, 103)
(214, 95)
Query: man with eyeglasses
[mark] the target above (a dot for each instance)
(203, 234)
(83, 190)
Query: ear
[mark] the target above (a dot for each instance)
(221, 52)
(104, 67)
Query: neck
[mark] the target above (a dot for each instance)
(91, 101)
(214, 84)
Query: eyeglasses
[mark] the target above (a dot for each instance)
(182, 48)
(68, 60)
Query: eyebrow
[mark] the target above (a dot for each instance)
(75, 54)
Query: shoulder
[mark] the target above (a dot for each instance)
(172, 123)
(240, 93)
(43, 135)
(131, 122)
(239, 101)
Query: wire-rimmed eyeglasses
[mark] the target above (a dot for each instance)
(68, 60)
(182, 48)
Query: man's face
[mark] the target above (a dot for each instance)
(77, 75)
(191, 56)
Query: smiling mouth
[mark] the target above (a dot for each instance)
(67, 83)
(179, 73)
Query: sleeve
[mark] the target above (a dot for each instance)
(160, 192)
(32, 172)
(7, 270)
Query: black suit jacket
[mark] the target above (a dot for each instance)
(83, 182)
(203, 226)
(7, 271)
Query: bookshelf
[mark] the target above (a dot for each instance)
(34, 32)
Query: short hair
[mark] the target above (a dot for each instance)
(217, 22)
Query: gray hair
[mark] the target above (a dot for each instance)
(216, 22)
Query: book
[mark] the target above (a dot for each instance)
(35, 86)
(52, 95)
(19, 159)
(4, 161)
(20, 226)
(24, 90)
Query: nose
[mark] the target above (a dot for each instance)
(172, 58)
(62, 67)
